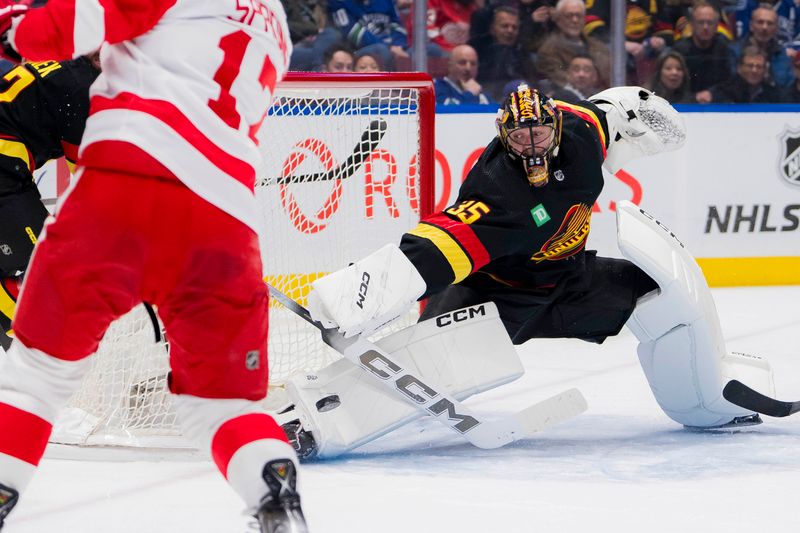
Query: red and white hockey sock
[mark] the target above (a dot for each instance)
(242, 440)
(242, 446)
(33, 388)
(23, 438)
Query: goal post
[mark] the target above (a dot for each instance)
(348, 166)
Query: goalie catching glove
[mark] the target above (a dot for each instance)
(639, 123)
(368, 294)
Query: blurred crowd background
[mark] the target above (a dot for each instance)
(701, 51)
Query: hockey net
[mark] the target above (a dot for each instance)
(347, 168)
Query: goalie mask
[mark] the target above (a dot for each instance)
(529, 125)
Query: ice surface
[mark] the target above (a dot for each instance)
(623, 466)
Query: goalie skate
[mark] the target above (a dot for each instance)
(301, 440)
(736, 423)
(279, 511)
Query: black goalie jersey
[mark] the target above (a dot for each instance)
(503, 230)
(43, 111)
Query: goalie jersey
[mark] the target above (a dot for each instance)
(43, 110)
(502, 230)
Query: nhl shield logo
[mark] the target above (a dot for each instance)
(790, 157)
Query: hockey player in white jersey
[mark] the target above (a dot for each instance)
(163, 211)
(515, 237)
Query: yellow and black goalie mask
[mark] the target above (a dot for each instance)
(529, 125)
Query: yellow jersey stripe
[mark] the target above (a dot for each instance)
(15, 149)
(452, 251)
(7, 303)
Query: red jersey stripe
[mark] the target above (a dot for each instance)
(465, 236)
(588, 116)
(170, 115)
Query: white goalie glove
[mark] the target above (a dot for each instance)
(639, 123)
(368, 294)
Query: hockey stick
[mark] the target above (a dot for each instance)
(433, 399)
(370, 139)
(740, 394)
(151, 313)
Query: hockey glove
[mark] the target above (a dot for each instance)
(640, 123)
(8, 12)
(368, 294)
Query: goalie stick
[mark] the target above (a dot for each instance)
(370, 139)
(432, 399)
(740, 394)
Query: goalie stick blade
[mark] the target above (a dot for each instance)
(551, 411)
(740, 394)
(531, 420)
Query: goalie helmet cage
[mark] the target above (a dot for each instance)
(348, 167)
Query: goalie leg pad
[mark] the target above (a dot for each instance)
(466, 351)
(682, 349)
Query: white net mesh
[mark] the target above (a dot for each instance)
(341, 178)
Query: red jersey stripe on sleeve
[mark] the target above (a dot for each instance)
(456, 241)
(587, 115)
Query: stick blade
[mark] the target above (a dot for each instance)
(740, 394)
(551, 411)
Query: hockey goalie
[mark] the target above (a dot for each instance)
(507, 263)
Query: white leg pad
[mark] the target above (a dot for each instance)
(466, 351)
(682, 350)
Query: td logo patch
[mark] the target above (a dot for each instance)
(540, 215)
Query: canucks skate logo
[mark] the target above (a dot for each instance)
(790, 157)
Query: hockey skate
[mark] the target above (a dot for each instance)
(301, 440)
(736, 423)
(279, 511)
(8, 499)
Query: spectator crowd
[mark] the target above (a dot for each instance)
(688, 51)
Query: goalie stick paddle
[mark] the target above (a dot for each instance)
(740, 394)
(433, 399)
(370, 139)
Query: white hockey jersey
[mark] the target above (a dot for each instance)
(188, 81)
